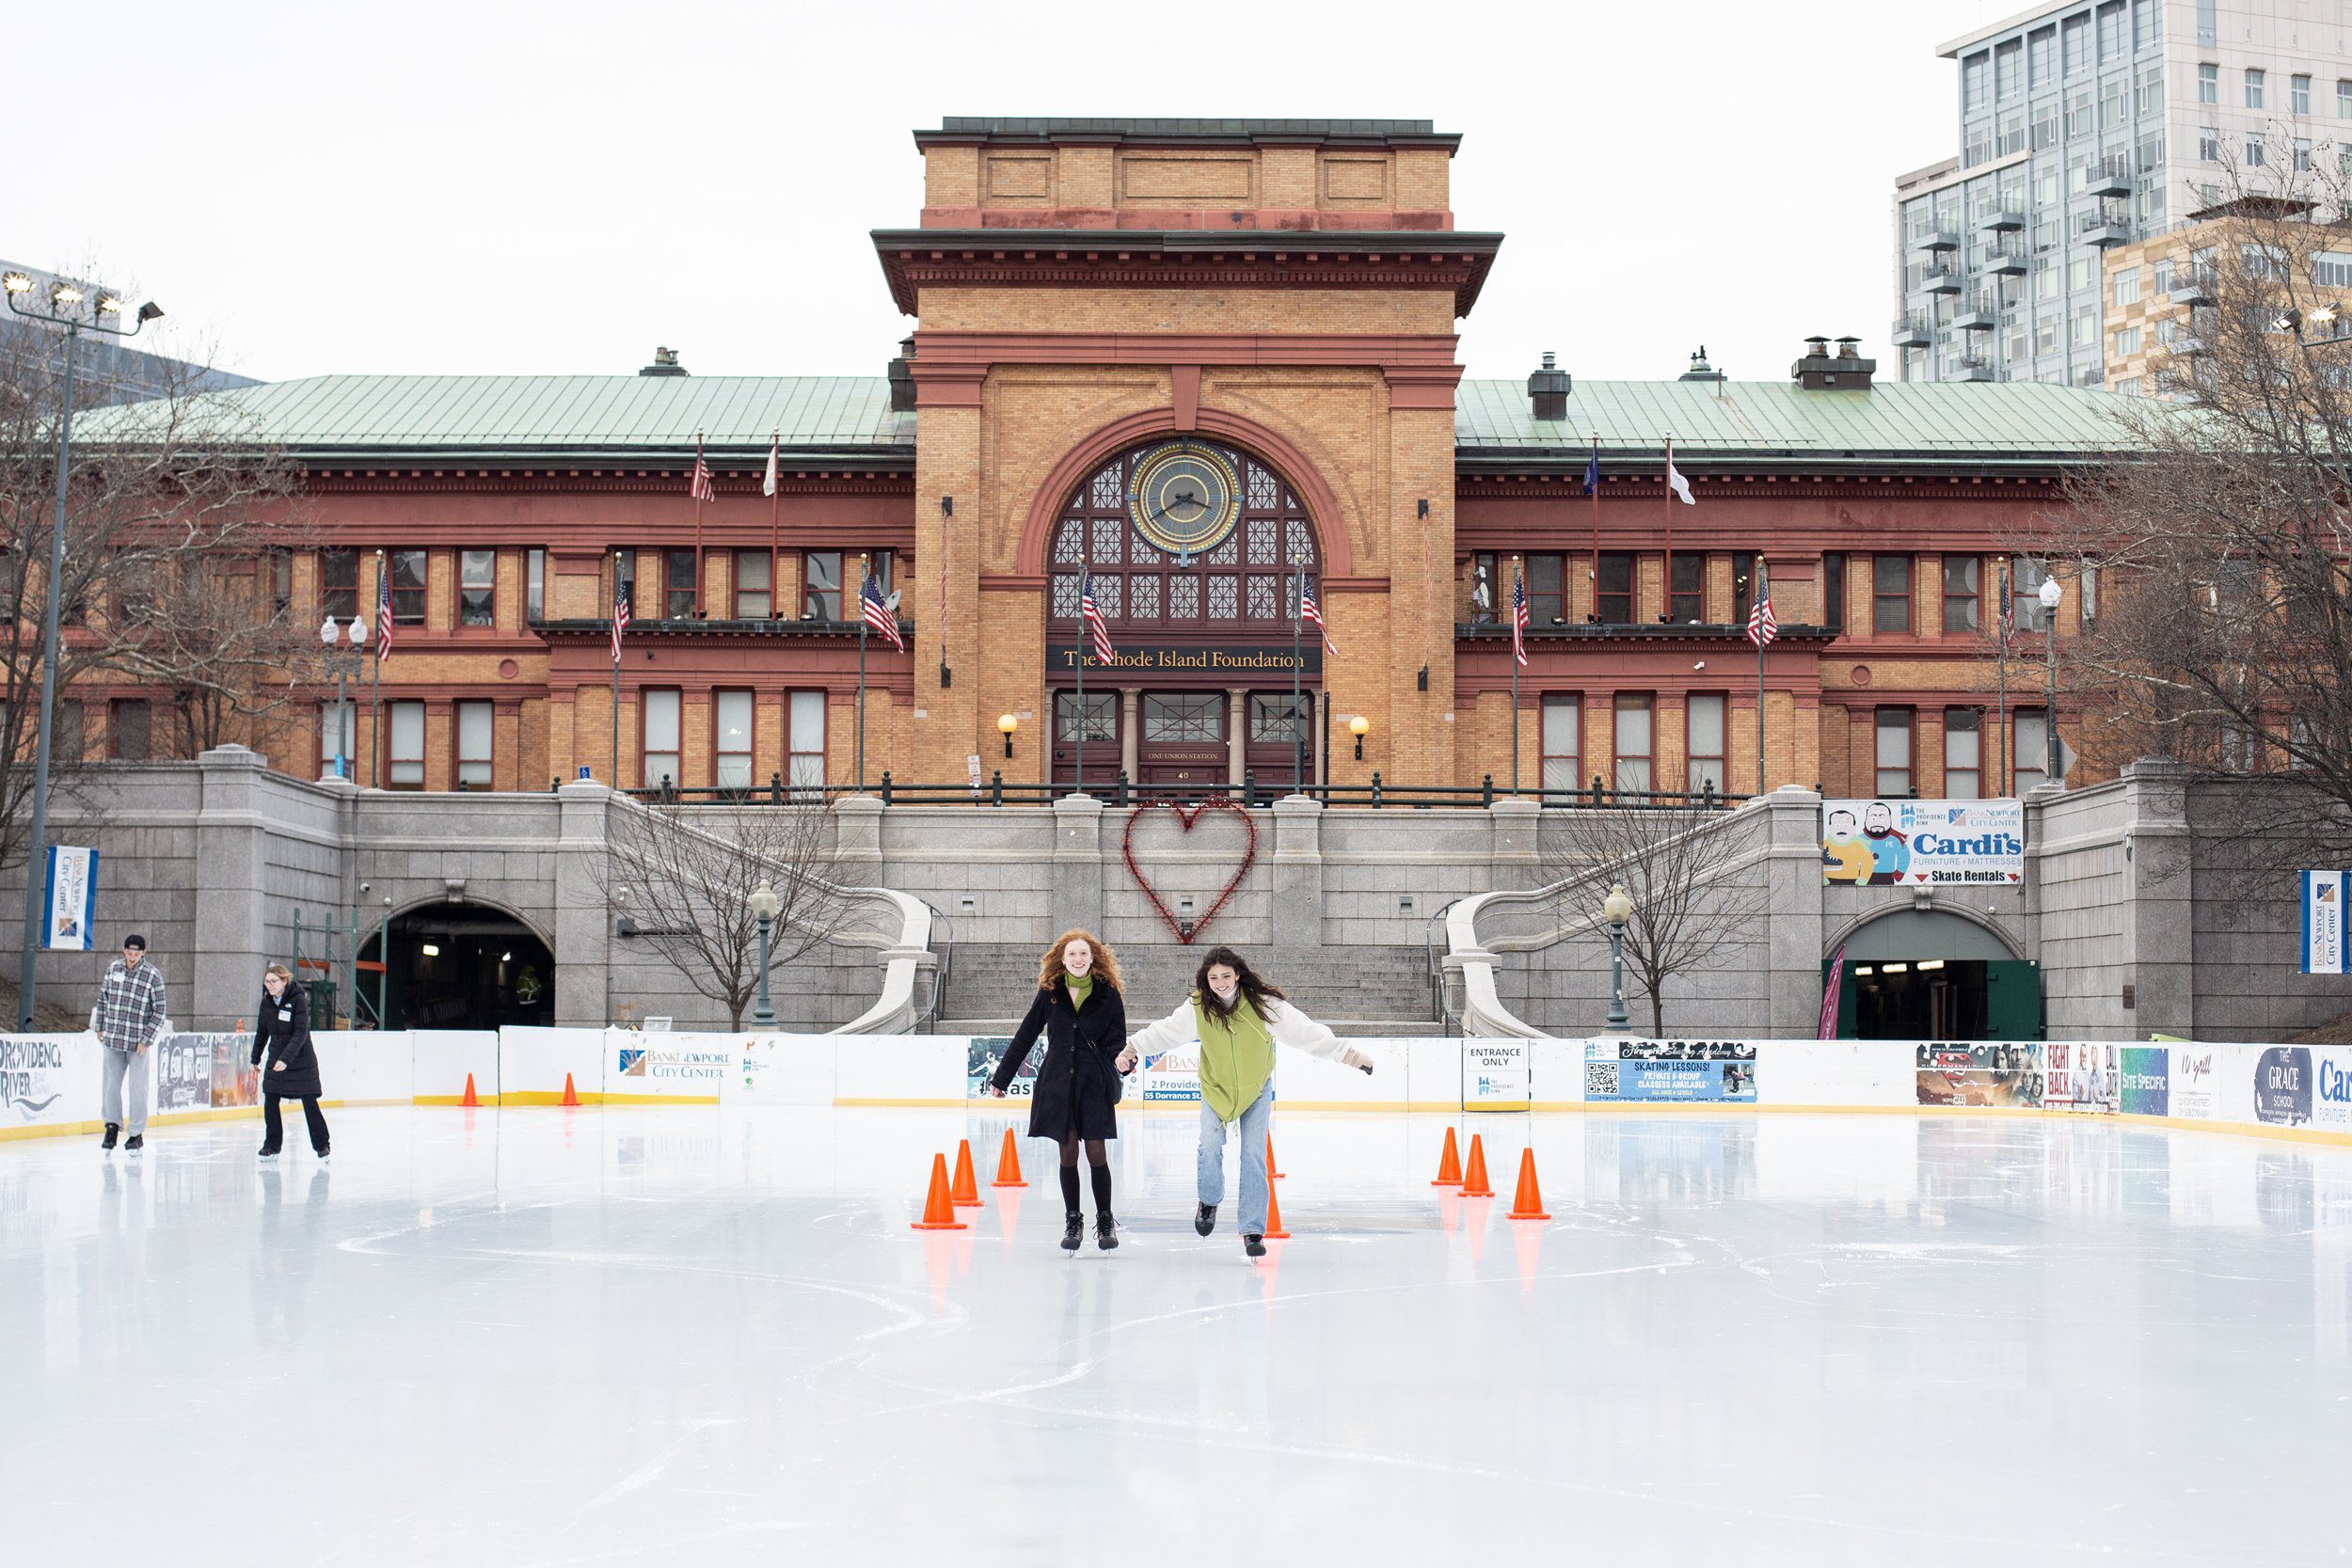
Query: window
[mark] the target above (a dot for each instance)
(2152, 91)
(2343, 98)
(1484, 596)
(408, 746)
(68, 742)
(2127, 286)
(1964, 753)
(660, 717)
(2161, 280)
(1688, 600)
(2079, 112)
(1616, 601)
(1960, 594)
(1272, 719)
(2332, 269)
(2087, 587)
(477, 588)
(1833, 590)
(624, 579)
(2079, 274)
(1563, 728)
(2029, 750)
(534, 585)
(135, 590)
(680, 598)
(2208, 83)
(753, 595)
(1547, 590)
(407, 570)
(1893, 753)
(2024, 591)
(2298, 95)
(339, 583)
(473, 746)
(2126, 342)
(1704, 726)
(2208, 29)
(2111, 23)
(127, 729)
(281, 564)
(2112, 107)
(339, 737)
(1973, 83)
(731, 713)
(2253, 89)
(2007, 59)
(2074, 35)
(2041, 57)
(820, 574)
(1890, 592)
(2147, 24)
(2086, 327)
(1633, 741)
(2208, 144)
(2303, 154)
(2129, 386)
(804, 760)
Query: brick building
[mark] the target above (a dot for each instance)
(1197, 360)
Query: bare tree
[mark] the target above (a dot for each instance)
(171, 511)
(1679, 864)
(684, 876)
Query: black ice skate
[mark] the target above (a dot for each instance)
(1254, 1245)
(113, 1132)
(1105, 1232)
(1205, 1218)
(1074, 1230)
(135, 1141)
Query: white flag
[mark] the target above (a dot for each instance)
(1678, 484)
(767, 486)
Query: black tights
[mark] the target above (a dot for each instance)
(1099, 1159)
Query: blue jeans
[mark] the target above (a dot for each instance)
(1253, 1182)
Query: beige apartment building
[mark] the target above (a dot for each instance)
(2155, 290)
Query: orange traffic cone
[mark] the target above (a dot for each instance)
(939, 1210)
(1274, 1231)
(1474, 1178)
(1448, 1164)
(1528, 1203)
(1009, 1165)
(965, 1193)
(1271, 1174)
(472, 1098)
(571, 1094)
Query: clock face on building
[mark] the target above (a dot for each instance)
(1185, 499)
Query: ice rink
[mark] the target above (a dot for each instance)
(622, 1336)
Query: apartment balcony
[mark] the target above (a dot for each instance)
(1978, 315)
(2187, 345)
(1975, 368)
(1943, 280)
(2001, 223)
(1935, 239)
(2007, 264)
(1913, 332)
(2106, 232)
(2108, 177)
(2192, 288)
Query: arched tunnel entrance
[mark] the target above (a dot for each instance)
(1929, 974)
(464, 966)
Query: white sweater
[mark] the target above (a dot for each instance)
(1286, 1024)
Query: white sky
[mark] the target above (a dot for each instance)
(510, 186)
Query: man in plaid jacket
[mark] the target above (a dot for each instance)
(127, 1020)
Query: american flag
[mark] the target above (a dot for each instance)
(1311, 611)
(1519, 614)
(1763, 625)
(620, 616)
(2008, 608)
(701, 488)
(383, 608)
(879, 614)
(1098, 630)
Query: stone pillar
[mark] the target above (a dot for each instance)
(1078, 862)
(584, 944)
(1237, 701)
(1130, 733)
(1298, 870)
(857, 843)
(1793, 913)
(1517, 863)
(2163, 916)
(232, 831)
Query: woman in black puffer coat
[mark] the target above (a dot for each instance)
(283, 1031)
(1076, 1097)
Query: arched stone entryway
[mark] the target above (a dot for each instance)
(464, 966)
(1913, 973)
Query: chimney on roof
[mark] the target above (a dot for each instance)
(1819, 369)
(902, 377)
(665, 363)
(1549, 390)
(1700, 370)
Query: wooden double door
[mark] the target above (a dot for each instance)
(1183, 740)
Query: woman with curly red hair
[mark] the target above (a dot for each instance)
(1079, 1010)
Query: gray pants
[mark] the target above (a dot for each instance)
(121, 1067)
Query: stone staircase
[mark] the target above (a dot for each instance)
(1356, 990)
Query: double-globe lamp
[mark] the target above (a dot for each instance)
(765, 906)
(1617, 910)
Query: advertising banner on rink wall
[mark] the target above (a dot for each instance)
(1667, 1072)
(2331, 1087)
(2282, 1086)
(1495, 1075)
(2005, 1073)
(1923, 843)
(2082, 1075)
(2146, 1088)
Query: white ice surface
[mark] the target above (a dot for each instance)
(643, 1336)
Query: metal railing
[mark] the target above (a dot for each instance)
(1123, 792)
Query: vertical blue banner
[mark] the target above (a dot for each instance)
(72, 904)
(2324, 894)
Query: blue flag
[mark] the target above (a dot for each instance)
(1592, 472)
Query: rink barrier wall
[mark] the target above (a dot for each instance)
(49, 1083)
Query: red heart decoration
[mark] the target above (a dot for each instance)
(1186, 819)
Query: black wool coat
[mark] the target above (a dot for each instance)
(1077, 1085)
(284, 1030)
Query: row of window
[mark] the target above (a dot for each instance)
(2257, 89)
(130, 728)
(660, 583)
(1894, 754)
(2100, 36)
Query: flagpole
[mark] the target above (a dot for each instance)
(695, 485)
(1298, 722)
(860, 673)
(1518, 586)
(1595, 470)
(1762, 595)
(375, 722)
(613, 774)
(775, 528)
(1077, 741)
(1667, 607)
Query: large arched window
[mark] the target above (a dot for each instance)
(1252, 525)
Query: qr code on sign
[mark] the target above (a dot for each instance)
(1600, 1080)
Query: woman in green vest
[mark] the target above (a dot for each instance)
(1239, 1020)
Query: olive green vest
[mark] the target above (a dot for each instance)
(1236, 1057)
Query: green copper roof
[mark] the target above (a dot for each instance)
(1773, 419)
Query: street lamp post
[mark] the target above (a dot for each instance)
(1617, 910)
(344, 664)
(2054, 757)
(764, 907)
(63, 311)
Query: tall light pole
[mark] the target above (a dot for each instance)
(1617, 909)
(2054, 758)
(764, 907)
(104, 314)
(344, 664)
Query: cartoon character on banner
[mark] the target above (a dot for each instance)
(1844, 857)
